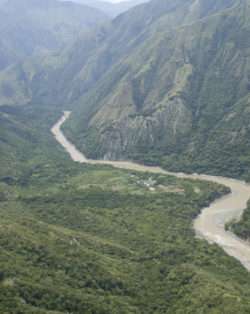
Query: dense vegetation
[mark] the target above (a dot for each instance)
(181, 98)
(242, 228)
(87, 239)
(165, 83)
(94, 239)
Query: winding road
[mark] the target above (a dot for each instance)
(210, 223)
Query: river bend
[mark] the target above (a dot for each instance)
(210, 224)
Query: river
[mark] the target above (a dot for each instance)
(210, 224)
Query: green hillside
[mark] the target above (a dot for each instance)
(166, 83)
(88, 239)
(179, 98)
(67, 76)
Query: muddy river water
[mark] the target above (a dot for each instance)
(210, 224)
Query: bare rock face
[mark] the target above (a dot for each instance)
(164, 128)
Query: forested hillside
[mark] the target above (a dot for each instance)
(92, 239)
(165, 83)
(168, 83)
(181, 96)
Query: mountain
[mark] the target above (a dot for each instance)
(33, 27)
(164, 83)
(69, 75)
(109, 8)
(177, 91)
(167, 83)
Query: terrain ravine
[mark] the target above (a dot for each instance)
(210, 224)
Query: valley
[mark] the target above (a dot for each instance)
(136, 199)
(94, 238)
(211, 223)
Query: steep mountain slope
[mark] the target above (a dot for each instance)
(104, 50)
(93, 239)
(179, 96)
(109, 8)
(46, 80)
(166, 82)
(29, 27)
